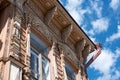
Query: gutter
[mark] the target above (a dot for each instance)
(99, 48)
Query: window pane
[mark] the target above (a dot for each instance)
(32, 58)
(38, 43)
(70, 72)
(34, 63)
(45, 69)
(14, 72)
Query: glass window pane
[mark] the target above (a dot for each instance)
(45, 69)
(34, 63)
(70, 72)
(14, 72)
(38, 43)
(32, 58)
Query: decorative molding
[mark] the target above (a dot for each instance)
(66, 33)
(55, 46)
(85, 52)
(49, 16)
(80, 45)
(4, 59)
(68, 53)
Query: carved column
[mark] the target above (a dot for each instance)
(28, 45)
(26, 70)
(27, 25)
(63, 67)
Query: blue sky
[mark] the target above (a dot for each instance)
(100, 19)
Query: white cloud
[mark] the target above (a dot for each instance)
(71, 4)
(114, 36)
(86, 31)
(99, 26)
(114, 76)
(97, 7)
(105, 64)
(74, 8)
(114, 4)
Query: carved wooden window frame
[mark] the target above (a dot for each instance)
(41, 55)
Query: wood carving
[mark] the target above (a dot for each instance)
(66, 33)
(86, 51)
(80, 46)
(49, 16)
(68, 53)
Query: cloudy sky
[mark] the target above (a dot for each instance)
(100, 19)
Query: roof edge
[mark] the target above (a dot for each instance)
(76, 23)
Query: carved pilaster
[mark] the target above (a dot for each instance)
(49, 16)
(66, 33)
(86, 51)
(63, 67)
(53, 54)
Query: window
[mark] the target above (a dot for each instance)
(45, 69)
(14, 72)
(39, 61)
(16, 29)
(70, 72)
(34, 63)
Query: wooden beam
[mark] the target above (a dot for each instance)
(49, 16)
(66, 33)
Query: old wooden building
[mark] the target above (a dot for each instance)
(39, 40)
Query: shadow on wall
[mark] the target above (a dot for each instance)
(3, 14)
(3, 17)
